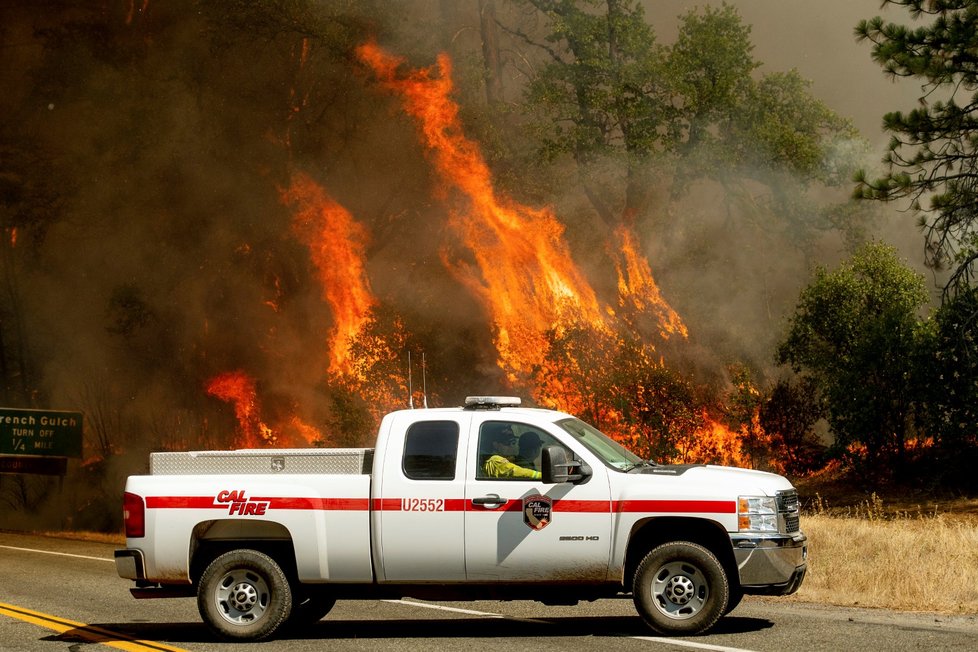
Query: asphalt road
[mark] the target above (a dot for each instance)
(59, 594)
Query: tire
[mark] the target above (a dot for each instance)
(680, 588)
(243, 595)
(309, 609)
(736, 595)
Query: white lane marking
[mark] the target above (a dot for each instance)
(698, 646)
(60, 554)
(650, 639)
(439, 607)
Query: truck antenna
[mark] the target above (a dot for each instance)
(410, 387)
(424, 381)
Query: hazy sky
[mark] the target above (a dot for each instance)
(816, 38)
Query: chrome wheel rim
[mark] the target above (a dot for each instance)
(242, 596)
(680, 590)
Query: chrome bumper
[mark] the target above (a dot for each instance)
(771, 565)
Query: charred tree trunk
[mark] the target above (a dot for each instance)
(490, 52)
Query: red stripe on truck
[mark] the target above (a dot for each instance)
(678, 506)
(451, 505)
(274, 502)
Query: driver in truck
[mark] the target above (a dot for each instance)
(530, 447)
(501, 443)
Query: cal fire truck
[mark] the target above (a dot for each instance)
(266, 538)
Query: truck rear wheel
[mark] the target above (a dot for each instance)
(680, 588)
(244, 595)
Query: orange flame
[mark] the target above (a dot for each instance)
(524, 273)
(637, 287)
(238, 388)
(336, 244)
(306, 433)
(717, 444)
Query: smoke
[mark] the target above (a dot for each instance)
(740, 302)
(171, 134)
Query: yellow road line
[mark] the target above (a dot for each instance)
(87, 633)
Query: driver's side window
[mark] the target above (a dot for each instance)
(509, 450)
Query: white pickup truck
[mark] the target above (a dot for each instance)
(264, 538)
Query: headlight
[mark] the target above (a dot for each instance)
(757, 513)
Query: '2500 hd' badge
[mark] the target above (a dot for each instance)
(537, 511)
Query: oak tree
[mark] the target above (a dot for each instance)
(855, 334)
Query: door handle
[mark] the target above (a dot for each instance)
(491, 501)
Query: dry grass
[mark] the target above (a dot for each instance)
(873, 557)
(97, 537)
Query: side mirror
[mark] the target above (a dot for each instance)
(559, 468)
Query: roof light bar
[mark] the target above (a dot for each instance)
(491, 402)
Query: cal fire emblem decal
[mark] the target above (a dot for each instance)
(537, 511)
(239, 504)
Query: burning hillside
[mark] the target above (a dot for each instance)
(516, 263)
(523, 272)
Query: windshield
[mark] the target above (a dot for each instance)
(611, 452)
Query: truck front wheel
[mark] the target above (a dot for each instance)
(244, 595)
(680, 588)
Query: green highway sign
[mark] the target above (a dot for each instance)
(40, 432)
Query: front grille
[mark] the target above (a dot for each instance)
(788, 501)
(788, 508)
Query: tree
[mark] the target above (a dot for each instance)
(788, 415)
(601, 94)
(932, 158)
(610, 96)
(743, 409)
(612, 379)
(950, 400)
(583, 372)
(854, 334)
(666, 410)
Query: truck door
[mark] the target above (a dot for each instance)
(418, 514)
(517, 528)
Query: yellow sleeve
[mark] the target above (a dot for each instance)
(498, 466)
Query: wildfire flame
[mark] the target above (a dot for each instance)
(523, 270)
(716, 443)
(238, 388)
(336, 244)
(637, 287)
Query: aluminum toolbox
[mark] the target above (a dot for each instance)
(328, 461)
